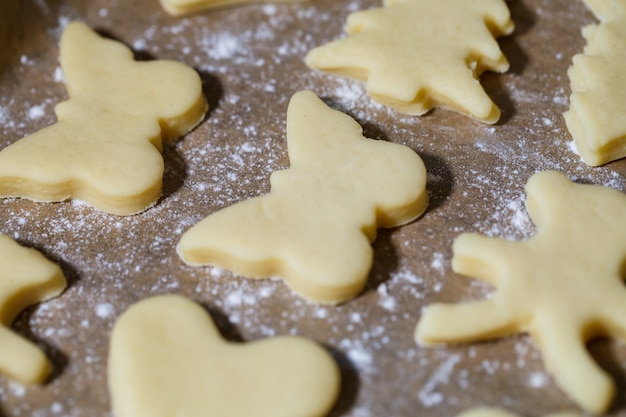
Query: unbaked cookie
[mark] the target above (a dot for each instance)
(498, 412)
(315, 226)
(419, 54)
(167, 358)
(26, 278)
(596, 115)
(181, 7)
(606, 10)
(563, 286)
(106, 147)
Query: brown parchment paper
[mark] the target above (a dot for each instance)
(251, 62)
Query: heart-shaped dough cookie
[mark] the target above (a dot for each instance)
(167, 359)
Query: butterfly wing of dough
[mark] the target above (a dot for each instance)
(413, 62)
(327, 151)
(102, 71)
(315, 227)
(273, 236)
(105, 147)
(26, 278)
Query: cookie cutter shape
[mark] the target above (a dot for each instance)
(563, 286)
(598, 80)
(418, 54)
(26, 278)
(315, 226)
(167, 358)
(106, 147)
(181, 7)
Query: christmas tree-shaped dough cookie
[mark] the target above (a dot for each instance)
(26, 278)
(596, 115)
(419, 54)
(315, 226)
(563, 286)
(106, 146)
(168, 359)
(181, 7)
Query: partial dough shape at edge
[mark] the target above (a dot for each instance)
(28, 278)
(597, 81)
(183, 7)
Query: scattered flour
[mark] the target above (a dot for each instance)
(358, 354)
(104, 310)
(428, 395)
(539, 380)
(37, 112)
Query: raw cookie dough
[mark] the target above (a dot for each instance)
(167, 359)
(596, 115)
(106, 146)
(26, 278)
(180, 7)
(498, 412)
(315, 227)
(606, 9)
(563, 286)
(419, 54)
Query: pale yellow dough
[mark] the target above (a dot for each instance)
(596, 116)
(106, 147)
(167, 358)
(419, 54)
(315, 226)
(606, 10)
(181, 7)
(26, 278)
(498, 412)
(563, 286)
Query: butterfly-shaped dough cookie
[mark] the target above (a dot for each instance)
(563, 286)
(315, 226)
(26, 278)
(168, 359)
(180, 7)
(419, 54)
(106, 146)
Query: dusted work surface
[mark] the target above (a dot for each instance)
(251, 60)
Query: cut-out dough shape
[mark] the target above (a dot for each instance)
(106, 147)
(168, 359)
(315, 227)
(598, 80)
(419, 54)
(563, 286)
(606, 10)
(498, 412)
(26, 278)
(181, 7)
